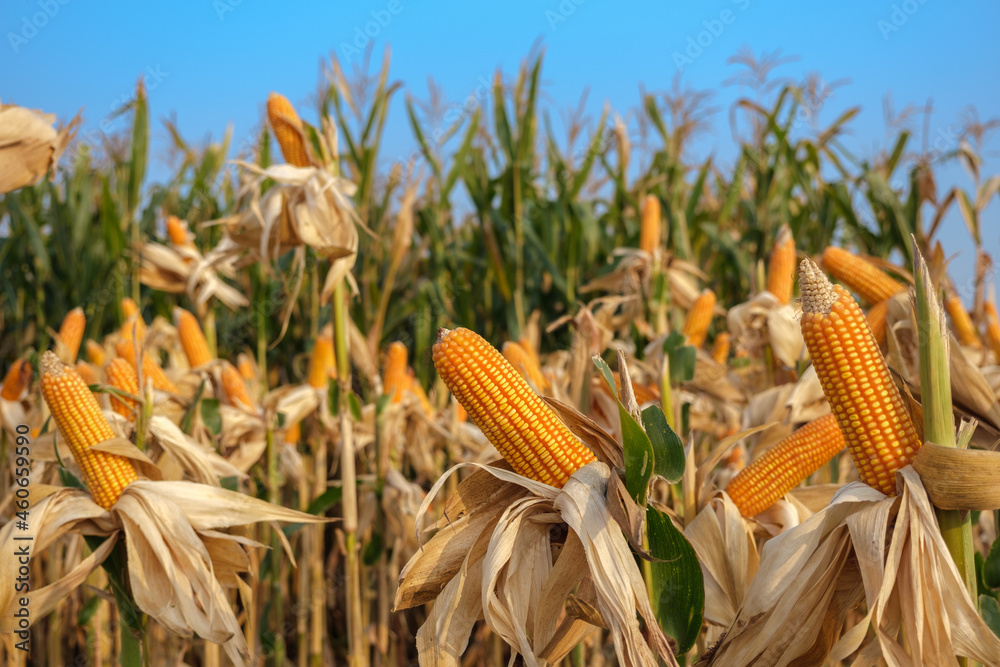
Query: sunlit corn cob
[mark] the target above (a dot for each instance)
(134, 323)
(246, 367)
(395, 381)
(82, 425)
(781, 270)
(720, 350)
(784, 466)
(95, 353)
(192, 339)
(861, 276)
(71, 333)
(699, 317)
(525, 431)
(86, 372)
(418, 391)
(961, 323)
(992, 327)
(287, 130)
(525, 364)
(150, 368)
(856, 380)
(235, 389)
(16, 382)
(876, 320)
(649, 231)
(322, 364)
(122, 376)
(293, 433)
(178, 232)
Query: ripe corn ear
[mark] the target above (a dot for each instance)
(287, 130)
(876, 320)
(781, 271)
(82, 425)
(322, 364)
(720, 350)
(178, 232)
(525, 364)
(961, 323)
(861, 276)
(699, 317)
(414, 386)
(150, 368)
(134, 323)
(16, 382)
(246, 367)
(395, 381)
(992, 327)
(95, 353)
(122, 377)
(856, 381)
(525, 431)
(71, 333)
(192, 339)
(293, 433)
(649, 230)
(86, 372)
(235, 389)
(785, 466)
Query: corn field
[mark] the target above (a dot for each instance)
(522, 399)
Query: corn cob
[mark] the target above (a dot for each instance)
(876, 320)
(192, 339)
(235, 389)
(414, 386)
(524, 362)
(781, 271)
(246, 367)
(649, 231)
(322, 365)
(992, 327)
(720, 350)
(16, 382)
(122, 376)
(395, 381)
(71, 333)
(95, 353)
(784, 466)
(150, 368)
(856, 381)
(86, 372)
(965, 331)
(699, 317)
(525, 431)
(293, 433)
(134, 323)
(861, 276)
(178, 232)
(82, 425)
(287, 130)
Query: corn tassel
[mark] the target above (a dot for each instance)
(961, 323)
(876, 320)
(992, 327)
(781, 271)
(699, 317)
(15, 383)
(856, 381)
(861, 276)
(720, 350)
(649, 231)
(150, 368)
(322, 364)
(235, 389)
(82, 425)
(525, 431)
(525, 364)
(395, 381)
(71, 333)
(122, 377)
(192, 339)
(785, 466)
(287, 130)
(96, 354)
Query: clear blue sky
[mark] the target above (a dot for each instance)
(213, 63)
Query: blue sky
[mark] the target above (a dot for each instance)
(212, 63)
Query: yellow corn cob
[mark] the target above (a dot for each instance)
(961, 323)
(322, 365)
(293, 433)
(525, 431)
(178, 232)
(287, 130)
(15, 383)
(395, 381)
(192, 339)
(525, 364)
(133, 322)
(71, 333)
(95, 353)
(150, 368)
(876, 320)
(720, 350)
(861, 276)
(82, 425)
(649, 231)
(122, 376)
(856, 380)
(784, 466)
(781, 271)
(699, 317)
(86, 372)
(246, 368)
(235, 389)
(992, 327)
(414, 386)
